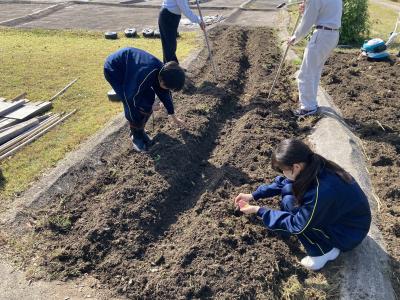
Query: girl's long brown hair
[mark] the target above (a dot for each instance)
(292, 151)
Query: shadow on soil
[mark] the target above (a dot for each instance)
(377, 132)
(184, 191)
(3, 180)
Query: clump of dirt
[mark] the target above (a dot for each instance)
(368, 95)
(161, 225)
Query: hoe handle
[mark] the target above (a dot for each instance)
(207, 41)
(283, 59)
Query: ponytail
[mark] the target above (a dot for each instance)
(291, 151)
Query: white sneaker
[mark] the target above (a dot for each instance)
(318, 262)
(301, 113)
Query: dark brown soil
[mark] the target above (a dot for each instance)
(368, 94)
(161, 225)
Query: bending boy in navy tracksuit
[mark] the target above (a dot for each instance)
(136, 77)
(321, 204)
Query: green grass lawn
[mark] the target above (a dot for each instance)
(382, 21)
(41, 62)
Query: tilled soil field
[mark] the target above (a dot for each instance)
(368, 94)
(161, 225)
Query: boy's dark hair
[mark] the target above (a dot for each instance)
(292, 151)
(173, 76)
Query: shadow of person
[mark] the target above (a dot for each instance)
(183, 163)
(375, 131)
(329, 112)
(205, 88)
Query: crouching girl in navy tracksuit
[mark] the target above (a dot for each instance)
(321, 204)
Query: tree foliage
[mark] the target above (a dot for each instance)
(355, 21)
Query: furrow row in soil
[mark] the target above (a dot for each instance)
(161, 225)
(210, 252)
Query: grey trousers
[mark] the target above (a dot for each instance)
(316, 53)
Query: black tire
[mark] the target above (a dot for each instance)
(130, 32)
(148, 33)
(111, 35)
(113, 97)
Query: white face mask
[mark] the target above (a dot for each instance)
(289, 174)
(293, 172)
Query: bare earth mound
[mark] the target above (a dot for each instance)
(161, 225)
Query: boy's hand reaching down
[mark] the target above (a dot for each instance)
(178, 122)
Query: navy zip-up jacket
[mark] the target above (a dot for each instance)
(133, 73)
(338, 209)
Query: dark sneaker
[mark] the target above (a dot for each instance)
(139, 144)
(303, 113)
(147, 140)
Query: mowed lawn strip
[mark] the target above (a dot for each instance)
(42, 62)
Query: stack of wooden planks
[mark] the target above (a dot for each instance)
(22, 122)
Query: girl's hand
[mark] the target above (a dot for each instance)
(243, 197)
(247, 208)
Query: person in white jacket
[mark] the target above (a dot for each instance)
(325, 16)
(168, 22)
